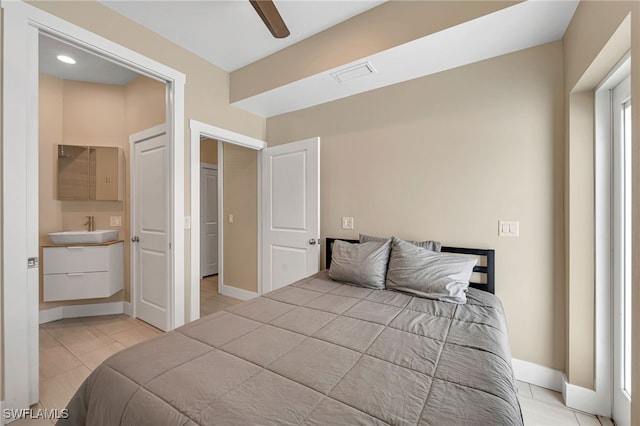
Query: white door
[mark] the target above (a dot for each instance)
(621, 118)
(208, 220)
(151, 257)
(290, 212)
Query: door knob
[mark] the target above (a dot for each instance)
(135, 239)
(312, 241)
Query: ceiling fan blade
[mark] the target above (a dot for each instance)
(271, 17)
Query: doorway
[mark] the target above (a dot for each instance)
(225, 140)
(22, 26)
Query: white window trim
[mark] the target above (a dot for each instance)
(598, 401)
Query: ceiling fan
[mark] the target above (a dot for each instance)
(271, 17)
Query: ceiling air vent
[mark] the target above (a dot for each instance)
(355, 71)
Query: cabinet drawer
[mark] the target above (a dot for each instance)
(77, 286)
(75, 259)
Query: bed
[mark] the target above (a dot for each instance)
(318, 352)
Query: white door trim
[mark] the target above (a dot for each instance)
(202, 129)
(20, 183)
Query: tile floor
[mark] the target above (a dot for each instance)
(71, 348)
(210, 300)
(544, 407)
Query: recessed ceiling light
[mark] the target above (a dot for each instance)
(66, 59)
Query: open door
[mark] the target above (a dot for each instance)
(290, 212)
(150, 228)
(208, 220)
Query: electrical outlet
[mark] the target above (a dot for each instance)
(115, 220)
(187, 222)
(347, 222)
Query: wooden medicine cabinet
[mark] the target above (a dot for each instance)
(90, 173)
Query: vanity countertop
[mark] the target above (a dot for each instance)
(46, 242)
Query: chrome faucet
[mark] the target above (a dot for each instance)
(91, 226)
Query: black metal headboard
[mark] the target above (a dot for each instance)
(489, 270)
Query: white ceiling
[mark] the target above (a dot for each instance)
(88, 66)
(524, 25)
(229, 33)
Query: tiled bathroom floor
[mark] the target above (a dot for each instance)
(71, 348)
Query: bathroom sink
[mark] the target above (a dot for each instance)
(83, 237)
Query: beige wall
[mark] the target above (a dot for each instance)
(145, 104)
(209, 151)
(80, 113)
(447, 156)
(240, 180)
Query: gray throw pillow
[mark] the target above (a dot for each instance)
(428, 274)
(429, 245)
(361, 264)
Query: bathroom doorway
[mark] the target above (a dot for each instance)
(98, 103)
(22, 28)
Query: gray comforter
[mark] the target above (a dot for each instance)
(319, 353)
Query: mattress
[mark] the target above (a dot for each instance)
(316, 352)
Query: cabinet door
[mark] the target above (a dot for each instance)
(75, 286)
(73, 172)
(107, 173)
(62, 260)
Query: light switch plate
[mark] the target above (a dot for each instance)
(115, 220)
(347, 222)
(187, 222)
(231, 218)
(508, 228)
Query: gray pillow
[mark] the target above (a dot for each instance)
(429, 245)
(428, 274)
(361, 264)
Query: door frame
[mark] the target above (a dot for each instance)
(226, 136)
(603, 165)
(210, 166)
(610, 240)
(21, 26)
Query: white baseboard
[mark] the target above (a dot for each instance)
(587, 400)
(76, 311)
(575, 397)
(236, 293)
(538, 375)
(127, 308)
